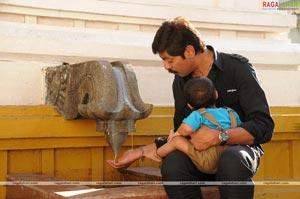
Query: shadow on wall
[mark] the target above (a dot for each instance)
(294, 33)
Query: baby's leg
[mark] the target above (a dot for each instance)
(177, 143)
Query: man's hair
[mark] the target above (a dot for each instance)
(199, 92)
(173, 36)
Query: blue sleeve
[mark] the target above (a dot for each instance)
(194, 120)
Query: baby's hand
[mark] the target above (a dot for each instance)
(172, 135)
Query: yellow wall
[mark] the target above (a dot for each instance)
(36, 139)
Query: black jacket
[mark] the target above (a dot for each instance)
(238, 88)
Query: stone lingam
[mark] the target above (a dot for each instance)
(100, 90)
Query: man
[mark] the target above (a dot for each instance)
(201, 96)
(185, 54)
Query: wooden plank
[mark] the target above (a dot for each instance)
(19, 111)
(47, 161)
(73, 164)
(3, 172)
(65, 142)
(287, 122)
(157, 110)
(295, 163)
(276, 160)
(285, 110)
(24, 161)
(30, 127)
(97, 163)
(29, 122)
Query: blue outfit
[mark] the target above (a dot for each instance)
(196, 119)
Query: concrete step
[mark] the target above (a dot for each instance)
(154, 174)
(26, 187)
(261, 192)
(141, 173)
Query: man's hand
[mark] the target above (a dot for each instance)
(205, 138)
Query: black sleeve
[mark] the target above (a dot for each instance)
(181, 108)
(253, 102)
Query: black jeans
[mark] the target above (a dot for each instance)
(237, 163)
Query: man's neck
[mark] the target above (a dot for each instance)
(212, 106)
(204, 62)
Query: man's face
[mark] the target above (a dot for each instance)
(176, 64)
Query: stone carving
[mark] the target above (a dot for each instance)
(100, 90)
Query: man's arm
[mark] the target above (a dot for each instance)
(258, 121)
(240, 136)
(185, 130)
(206, 137)
(248, 100)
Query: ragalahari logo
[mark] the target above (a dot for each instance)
(281, 4)
(270, 5)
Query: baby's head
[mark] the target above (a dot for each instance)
(200, 92)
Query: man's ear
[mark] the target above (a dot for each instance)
(190, 106)
(216, 95)
(189, 51)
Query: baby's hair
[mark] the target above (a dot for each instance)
(199, 92)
